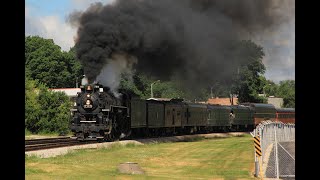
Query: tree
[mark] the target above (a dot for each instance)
(286, 90)
(271, 88)
(249, 82)
(140, 84)
(46, 111)
(32, 106)
(47, 63)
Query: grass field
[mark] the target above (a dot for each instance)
(219, 158)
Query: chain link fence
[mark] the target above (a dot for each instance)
(277, 143)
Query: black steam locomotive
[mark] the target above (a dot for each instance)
(98, 114)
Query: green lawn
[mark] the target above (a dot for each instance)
(219, 158)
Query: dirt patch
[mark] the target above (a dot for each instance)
(130, 168)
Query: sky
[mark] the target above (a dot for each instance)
(47, 19)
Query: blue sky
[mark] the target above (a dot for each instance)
(49, 7)
(46, 18)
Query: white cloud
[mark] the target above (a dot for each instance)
(61, 32)
(26, 11)
(50, 27)
(32, 25)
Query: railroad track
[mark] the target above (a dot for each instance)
(38, 144)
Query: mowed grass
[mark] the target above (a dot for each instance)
(219, 158)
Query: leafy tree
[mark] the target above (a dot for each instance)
(47, 63)
(220, 89)
(32, 106)
(249, 82)
(129, 84)
(140, 84)
(46, 111)
(286, 90)
(271, 88)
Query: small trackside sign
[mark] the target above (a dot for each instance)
(257, 145)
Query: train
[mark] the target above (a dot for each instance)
(102, 115)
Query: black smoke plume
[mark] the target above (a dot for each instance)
(189, 40)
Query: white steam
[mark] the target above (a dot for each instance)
(119, 64)
(84, 81)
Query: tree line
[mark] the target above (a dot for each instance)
(47, 66)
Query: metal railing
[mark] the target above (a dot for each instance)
(276, 156)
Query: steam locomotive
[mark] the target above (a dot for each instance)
(99, 114)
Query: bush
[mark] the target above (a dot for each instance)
(46, 111)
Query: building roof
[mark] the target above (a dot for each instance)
(71, 92)
(222, 101)
(160, 99)
(259, 105)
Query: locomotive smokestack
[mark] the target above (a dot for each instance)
(190, 40)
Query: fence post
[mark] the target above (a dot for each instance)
(256, 163)
(276, 150)
(260, 157)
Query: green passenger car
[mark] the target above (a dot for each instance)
(218, 115)
(243, 117)
(155, 114)
(138, 113)
(197, 114)
(262, 112)
(174, 113)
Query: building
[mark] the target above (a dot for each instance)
(222, 101)
(277, 102)
(71, 92)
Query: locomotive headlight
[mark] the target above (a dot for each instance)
(88, 102)
(88, 95)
